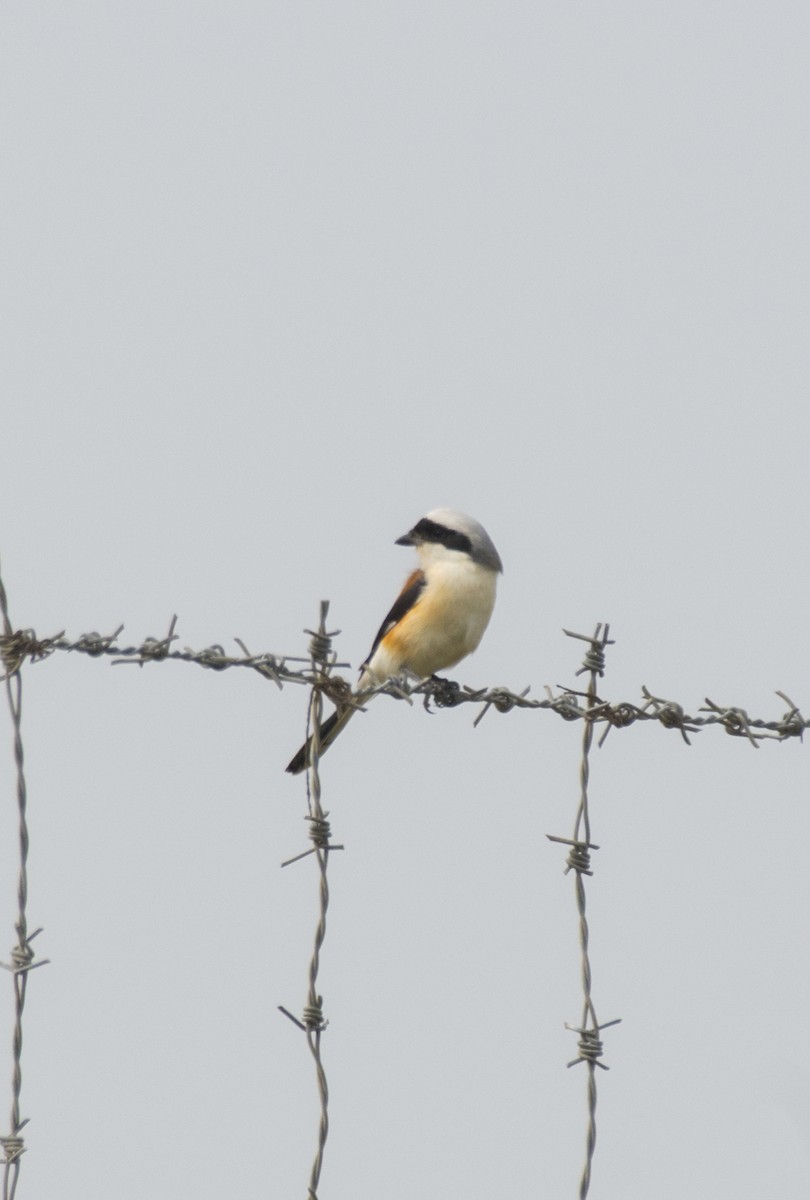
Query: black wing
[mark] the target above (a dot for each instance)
(412, 589)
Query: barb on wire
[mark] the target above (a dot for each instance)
(590, 1048)
(617, 716)
(670, 714)
(502, 699)
(793, 723)
(736, 722)
(22, 954)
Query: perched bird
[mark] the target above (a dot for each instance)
(437, 619)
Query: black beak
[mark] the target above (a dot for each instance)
(407, 539)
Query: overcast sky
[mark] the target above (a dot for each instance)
(278, 279)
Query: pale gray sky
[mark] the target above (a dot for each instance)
(278, 279)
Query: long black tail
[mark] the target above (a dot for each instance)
(330, 728)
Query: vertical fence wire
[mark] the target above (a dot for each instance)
(313, 1023)
(22, 954)
(579, 861)
(319, 830)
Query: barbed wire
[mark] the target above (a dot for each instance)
(579, 861)
(313, 1023)
(18, 645)
(22, 954)
(317, 671)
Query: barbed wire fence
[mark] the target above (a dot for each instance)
(18, 646)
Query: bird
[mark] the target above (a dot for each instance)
(437, 619)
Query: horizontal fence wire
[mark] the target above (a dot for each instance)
(18, 645)
(317, 671)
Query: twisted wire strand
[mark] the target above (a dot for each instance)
(595, 664)
(18, 645)
(22, 954)
(313, 1023)
(313, 1013)
(589, 1046)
